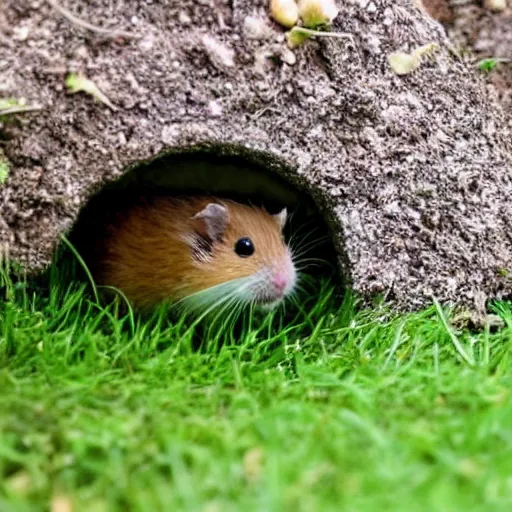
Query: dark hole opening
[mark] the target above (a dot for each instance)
(229, 177)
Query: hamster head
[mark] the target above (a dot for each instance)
(239, 256)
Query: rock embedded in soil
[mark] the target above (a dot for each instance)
(413, 174)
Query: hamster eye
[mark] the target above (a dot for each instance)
(244, 247)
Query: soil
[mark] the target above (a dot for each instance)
(486, 34)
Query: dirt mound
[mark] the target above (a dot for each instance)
(412, 173)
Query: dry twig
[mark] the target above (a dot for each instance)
(112, 33)
(19, 110)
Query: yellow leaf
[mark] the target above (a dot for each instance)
(403, 63)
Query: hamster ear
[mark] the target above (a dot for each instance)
(281, 217)
(214, 219)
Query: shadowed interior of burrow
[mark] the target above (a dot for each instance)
(224, 176)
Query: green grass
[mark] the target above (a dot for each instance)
(335, 409)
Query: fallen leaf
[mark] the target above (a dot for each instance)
(75, 82)
(403, 63)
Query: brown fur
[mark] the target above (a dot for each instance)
(147, 251)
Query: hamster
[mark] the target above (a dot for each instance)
(200, 251)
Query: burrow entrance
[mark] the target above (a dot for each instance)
(225, 176)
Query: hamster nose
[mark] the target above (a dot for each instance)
(279, 281)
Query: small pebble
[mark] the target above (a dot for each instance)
(495, 5)
(184, 18)
(215, 109)
(257, 28)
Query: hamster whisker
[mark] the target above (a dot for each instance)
(296, 232)
(219, 304)
(307, 263)
(237, 310)
(299, 289)
(226, 299)
(220, 297)
(310, 227)
(302, 251)
(230, 304)
(303, 248)
(312, 262)
(308, 238)
(302, 313)
(304, 226)
(295, 301)
(305, 287)
(214, 295)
